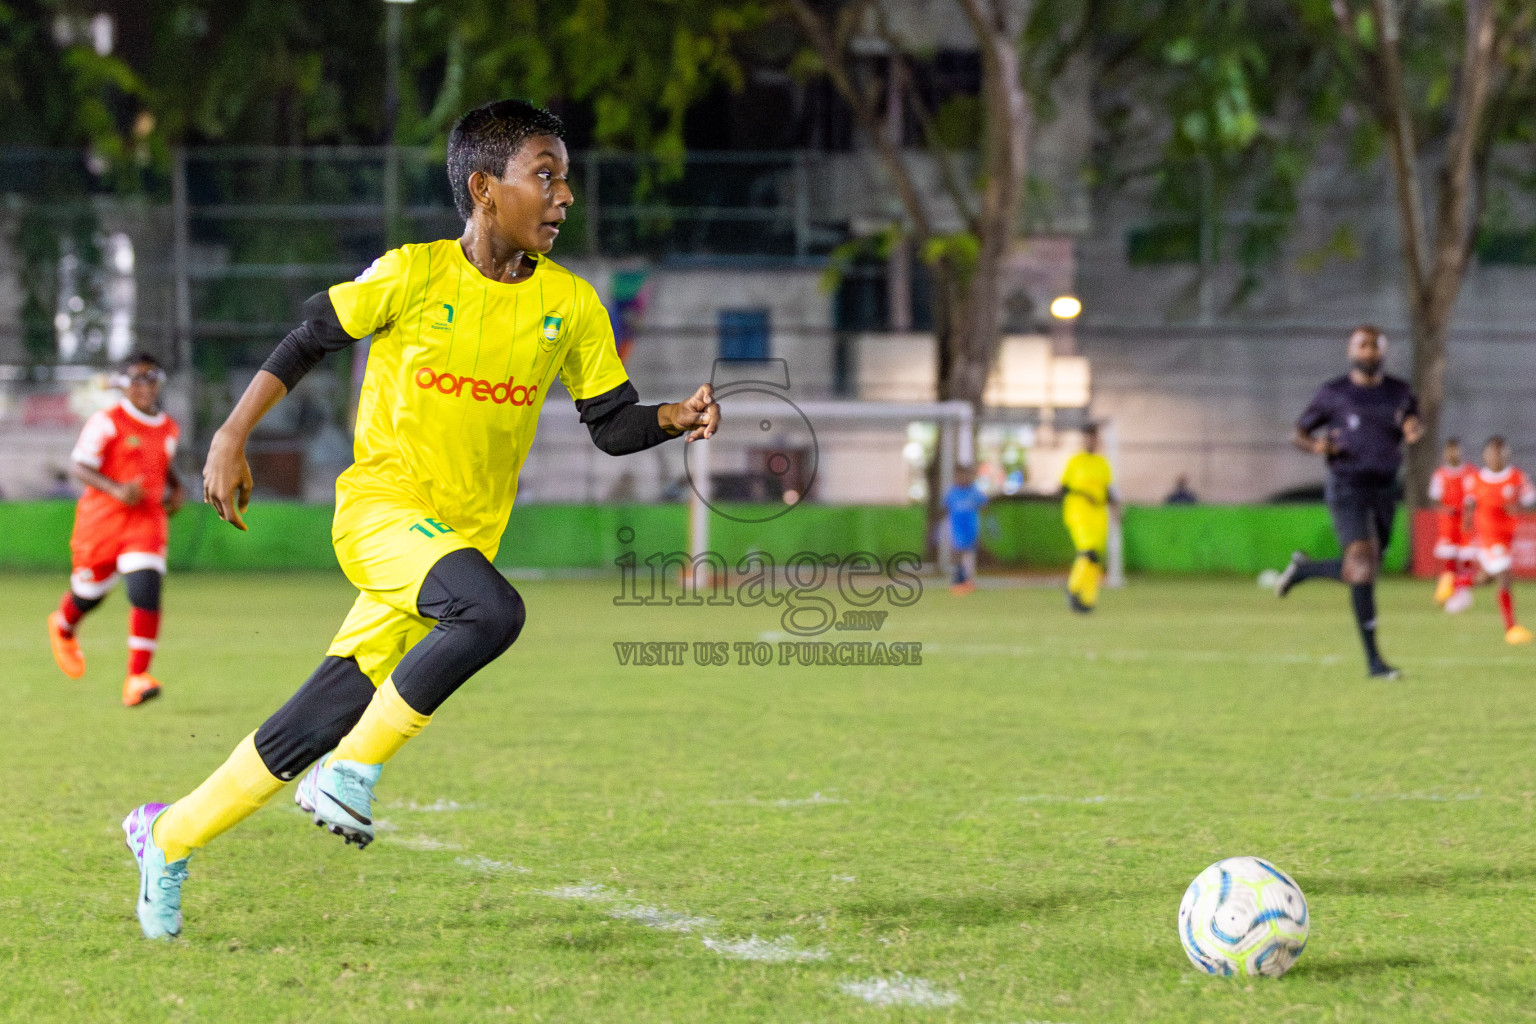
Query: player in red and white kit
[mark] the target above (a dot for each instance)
(1453, 545)
(1493, 500)
(124, 459)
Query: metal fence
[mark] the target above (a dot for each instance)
(227, 242)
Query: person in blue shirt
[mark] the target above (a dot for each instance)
(963, 503)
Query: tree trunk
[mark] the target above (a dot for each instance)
(966, 323)
(969, 284)
(1435, 266)
(1430, 327)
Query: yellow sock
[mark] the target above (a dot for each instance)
(1076, 576)
(1092, 574)
(385, 727)
(235, 791)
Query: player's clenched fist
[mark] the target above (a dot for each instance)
(699, 415)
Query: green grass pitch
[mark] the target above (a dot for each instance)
(999, 835)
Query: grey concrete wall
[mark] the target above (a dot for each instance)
(679, 339)
(1219, 405)
(1214, 392)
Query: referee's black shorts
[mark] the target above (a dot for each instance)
(1362, 508)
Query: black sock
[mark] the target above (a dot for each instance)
(1320, 569)
(1363, 597)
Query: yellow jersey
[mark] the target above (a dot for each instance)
(458, 370)
(1087, 479)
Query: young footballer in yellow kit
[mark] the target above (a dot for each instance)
(1088, 497)
(468, 336)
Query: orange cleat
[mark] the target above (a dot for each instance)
(1445, 587)
(1518, 635)
(961, 589)
(140, 688)
(66, 650)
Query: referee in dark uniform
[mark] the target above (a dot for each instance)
(1360, 422)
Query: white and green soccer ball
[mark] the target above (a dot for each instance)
(1243, 915)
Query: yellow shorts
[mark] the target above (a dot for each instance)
(386, 550)
(1089, 531)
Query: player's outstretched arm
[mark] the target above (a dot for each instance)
(227, 475)
(619, 425)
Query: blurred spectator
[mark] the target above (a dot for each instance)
(964, 501)
(1181, 494)
(60, 487)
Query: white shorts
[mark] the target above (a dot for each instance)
(94, 582)
(1494, 559)
(1445, 550)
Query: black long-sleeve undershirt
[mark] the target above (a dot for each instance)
(307, 344)
(619, 425)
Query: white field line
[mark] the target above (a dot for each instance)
(585, 891)
(661, 918)
(627, 909)
(899, 991)
(1420, 797)
(813, 800)
(494, 867)
(425, 843)
(437, 805)
(781, 950)
(1188, 655)
(1431, 798)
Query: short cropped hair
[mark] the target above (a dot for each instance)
(143, 357)
(1371, 331)
(487, 138)
(1453, 441)
(1497, 439)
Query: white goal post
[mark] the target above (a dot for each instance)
(954, 420)
(1114, 572)
(955, 447)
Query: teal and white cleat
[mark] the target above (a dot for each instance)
(159, 883)
(340, 796)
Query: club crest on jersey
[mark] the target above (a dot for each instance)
(551, 326)
(444, 319)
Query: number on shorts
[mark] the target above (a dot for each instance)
(422, 528)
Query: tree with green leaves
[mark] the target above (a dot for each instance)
(1441, 86)
(1242, 94)
(982, 176)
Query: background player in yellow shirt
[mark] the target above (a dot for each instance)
(1087, 499)
(468, 335)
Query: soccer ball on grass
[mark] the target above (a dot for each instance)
(1243, 915)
